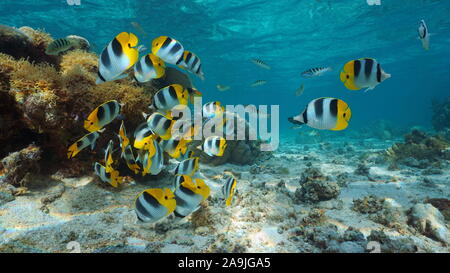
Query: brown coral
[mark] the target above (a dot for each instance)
(418, 146)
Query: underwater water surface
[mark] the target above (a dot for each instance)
(378, 179)
(290, 36)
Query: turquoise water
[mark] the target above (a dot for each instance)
(290, 36)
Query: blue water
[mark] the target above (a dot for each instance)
(289, 35)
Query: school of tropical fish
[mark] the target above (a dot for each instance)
(143, 150)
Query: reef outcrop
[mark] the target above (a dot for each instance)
(441, 114)
(419, 150)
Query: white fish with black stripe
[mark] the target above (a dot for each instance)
(120, 54)
(111, 178)
(149, 67)
(152, 205)
(424, 35)
(193, 64)
(188, 167)
(363, 73)
(324, 114)
(228, 189)
(168, 49)
(189, 194)
(316, 71)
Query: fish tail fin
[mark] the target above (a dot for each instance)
(294, 121)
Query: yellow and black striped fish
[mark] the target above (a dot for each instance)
(85, 141)
(143, 138)
(189, 194)
(188, 167)
(123, 138)
(363, 73)
(174, 147)
(193, 64)
(113, 177)
(148, 68)
(102, 115)
(213, 146)
(168, 97)
(153, 164)
(168, 49)
(120, 54)
(160, 125)
(108, 157)
(154, 204)
(228, 190)
(325, 113)
(130, 160)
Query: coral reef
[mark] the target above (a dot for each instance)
(315, 187)
(368, 204)
(391, 245)
(441, 114)
(46, 102)
(18, 166)
(419, 150)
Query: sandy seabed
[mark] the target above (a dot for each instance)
(356, 207)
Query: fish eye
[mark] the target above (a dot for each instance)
(165, 197)
(157, 44)
(129, 45)
(348, 76)
(345, 114)
(198, 187)
(92, 123)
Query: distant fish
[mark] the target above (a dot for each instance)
(154, 204)
(141, 48)
(325, 114)
(316, 71)
(260, 63)
(363, 73)
(62, 45)
(222, 87)
(138, 27)
(118, 56)
(258, 83)
(228, 190)
(424, 35)
(300, 90)
(168, 49)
